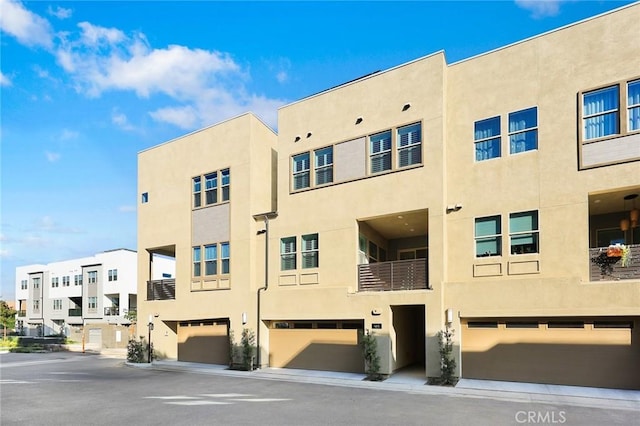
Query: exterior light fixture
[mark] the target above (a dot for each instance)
(406, 106)
(358, 120)
(297, 139)
(309, 134)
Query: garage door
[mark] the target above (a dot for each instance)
(315, 349)
(203, 342)
(568, 352)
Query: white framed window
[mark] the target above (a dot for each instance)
(113, 275)
(633, 105)
(211, 188)
(24, 285)
(211, 259)
(310, 251)
(409, 141)
(488, 236)
(36, 305)
(225, 258)
(77, 279)
(226, 184)
(197, 267)
(92, 302)
(523, 130)
(57, 304)
(380, 152)
(55, 282)
(92, 277)
(197, 191)
(487, 138)
(323, 165)
(36, 282)
(523, 232)
(600, 113)
(301, 173)
(288, 253)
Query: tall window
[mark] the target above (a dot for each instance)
(301, 174)
(211, 259)
(65, 281)
(523, 232)
(113, 275)
(23, 285)
(523, 130)
(57, 304)
(380, 152)
(92, 302)
(600, 113)
(211, 188)
(196, 262)
(288, 253)
(224, 258)
(409, 145)
(488, 235)
(36, 305)
(633, 105)
(197, 191)
(310, 251)
(55, 282)
(226, 181)
(324, 165)
(144, 198)
(77, 279)
(487, 138)
(36, 282)
(92, 277)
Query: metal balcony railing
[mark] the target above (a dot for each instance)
(161, 289)
(112, 310)
(396, 275)
(75, 312)
(22, 313)
(607, 265)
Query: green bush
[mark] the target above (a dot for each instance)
(371, 357)
(8, 343)
(135, 351)
(247, 341)
(447, 361)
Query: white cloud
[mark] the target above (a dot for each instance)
(27, 27)
(59, 12)
(126, 209)
(52, 157)
(541, 8)
(282, 76)
(4, 80)
(184, 117)
(5, 253)
(67, 134)
(120, 119)
(49, 225)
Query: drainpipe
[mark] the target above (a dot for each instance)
(264, 231)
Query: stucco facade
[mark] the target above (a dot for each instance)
(471, 195)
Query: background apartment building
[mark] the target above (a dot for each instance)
(95, 293)
(482, 196)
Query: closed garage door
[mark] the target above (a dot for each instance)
(600, 353)
(315, 349)
(203, 342)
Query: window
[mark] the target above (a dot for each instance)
(144, 198)
(324, 165)
(487, 138)
(211, 188)
(633, 105)
(288, 253)
(488, 235)
(380, 152)
(409, 145)
(113, 275)
(301, 178)
(77, 279)
(523, 130)
(36, 282)
(310, 251)
(196, 261)
(373, 252)
(211, 259)
(65, 281)
(226, 181)
(600, 113)
(57, 304)
(23, 285)
(197, 192)
(36, 305)
(523, 232)
(224, 258)
(55, 282)
(92, 277)
(92, 302)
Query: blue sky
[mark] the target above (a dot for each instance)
(86, 85)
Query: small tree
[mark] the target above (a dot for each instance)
(7, 317)
(447, 361)
(371, 357)
(248, 341)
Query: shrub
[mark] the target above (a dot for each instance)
(247, 341)
(136, 351)
(371, 357)
(447, 361)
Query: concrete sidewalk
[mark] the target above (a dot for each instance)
(467, 388)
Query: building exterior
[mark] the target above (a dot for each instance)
(485, 196)
(85, 299)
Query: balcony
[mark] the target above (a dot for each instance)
(393, 276)
(610, 268)
(111, 311)
(75, 312)
(22, 313)
(161, 289)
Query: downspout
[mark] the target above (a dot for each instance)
(266, 279)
